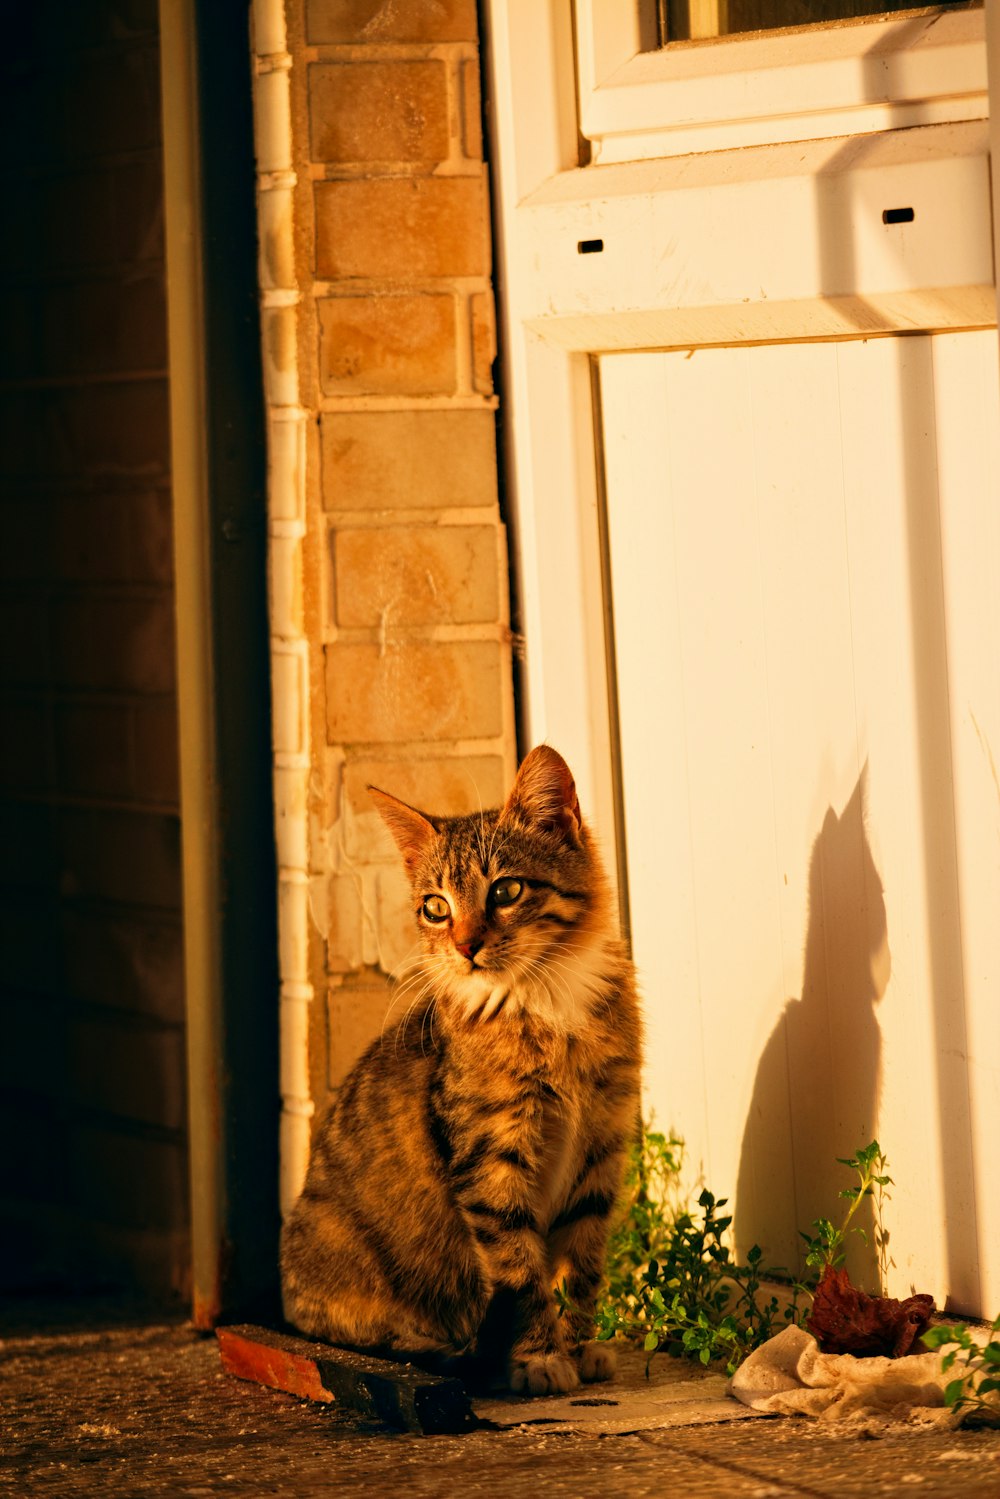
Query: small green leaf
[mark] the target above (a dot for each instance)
(651, 1342)
(953, 1392)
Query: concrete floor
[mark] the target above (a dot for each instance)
(102, 1405)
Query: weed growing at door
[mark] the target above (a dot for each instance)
(827, 1245)
(977, 1368)
(674, 1286)
(673, 1283)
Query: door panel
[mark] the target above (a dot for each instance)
(803, 552)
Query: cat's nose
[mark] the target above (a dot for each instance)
(468, 949)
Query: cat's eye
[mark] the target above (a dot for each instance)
(506, 892)
(436, 908)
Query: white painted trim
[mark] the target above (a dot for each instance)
(815, 259)
(804, 84)
(286, 480)
(558, 305)
(551, 473)
(993, 71)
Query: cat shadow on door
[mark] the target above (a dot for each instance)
(816, 1091)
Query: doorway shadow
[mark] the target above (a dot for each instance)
(816, 1090)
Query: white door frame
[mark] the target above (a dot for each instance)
(783, 240)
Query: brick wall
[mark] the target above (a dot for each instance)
(92, 1059)
(397, 570)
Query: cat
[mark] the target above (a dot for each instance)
(473, 1158)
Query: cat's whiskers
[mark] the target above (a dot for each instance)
(482, 817)
(566, 989)
(422, 987)
(416, 979)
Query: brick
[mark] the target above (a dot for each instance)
(78, 224)
(130, 857)
(484, 340)
(356, 1011)
(131, 1069)
(444, 785)
(154, 732)
(94, 431)
(384, 460)
(26, 554)
(387, 345)
(28, 828)
(127, 1179)
(396, 934)
(69, 27)
(91, 538)
(373, 21)
(137, 193)
(447, 786)
(112, 102)
(27, 1054)
(114, 644)
(24, 747)
(24, 640)
(22, 339)
(415, 575)
(104, 327)
(379, 111)
(414, 692)
(134, 960)
(151, 536)
(472, 117)
(20, 423)
(93, 743)
(344, 934)
(402, 228)
(75, 952)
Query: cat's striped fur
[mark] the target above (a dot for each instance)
(474, 1155)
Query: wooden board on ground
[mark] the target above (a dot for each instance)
(397, 1394)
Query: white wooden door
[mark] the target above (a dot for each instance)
(752, 398)
(805, 554)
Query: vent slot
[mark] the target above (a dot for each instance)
(898, 215)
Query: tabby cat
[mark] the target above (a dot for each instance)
(473, 1157)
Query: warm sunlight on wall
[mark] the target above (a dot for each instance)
(805, 547)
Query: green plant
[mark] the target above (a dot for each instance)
(977, 1368)
(672, 1282)
(828, 1244)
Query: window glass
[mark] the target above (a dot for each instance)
(693, 20)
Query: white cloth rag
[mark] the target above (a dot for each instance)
(789, 1375)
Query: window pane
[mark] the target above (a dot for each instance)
(691, 20)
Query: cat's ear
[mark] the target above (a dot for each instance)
(545, 794)
(412, 831)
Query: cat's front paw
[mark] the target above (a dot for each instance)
(595, 1361)
(543, 1374)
